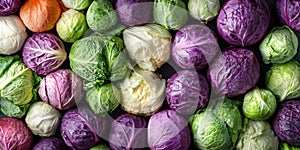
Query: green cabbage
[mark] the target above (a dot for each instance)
(204, 10)
(18, 86)
(285, 146)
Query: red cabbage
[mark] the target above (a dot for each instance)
(50, 143)
(289, 13)
(9, 7)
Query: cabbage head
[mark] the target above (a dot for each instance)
(18, 86)
(285, 146)
(257, 135)
(217, 128)
(98, 58)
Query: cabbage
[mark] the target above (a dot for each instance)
(128, 132)
(194, 46)
(288, 13)
(13, 34)
(148, 45)
(204, 10)
(243, 22)
(284, 80)
(234, 72)
(218, 127)
(71, 26)
(40, 15)
(81, 129)
(9, 7)
(171, 14)
(168, 130)
(100, 146)
(279, 46)
(257, 135)
(101, 15)
(103, 99)
(44, 53)
(143, 92)
(98, 59)
(187, 91)
(77, 4)
(61, 89)
(134, 12)
(18, 86)
(50, 143)
(287, 122)
(285, 146)
(14, 135)
(259, 104)
(42, 119)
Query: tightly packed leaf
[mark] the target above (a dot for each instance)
(77, 4)
(128, 132)
(44, 53)
(143, 92)
(9, 7)
(42, 119)
(40, 15)
(284, 80)
(169, 131)
(50, 143)
(18, 86)
(148, 45)
(257, 135)
(14, 134)
(13, 34)
(204, 10)
(279, 46)
(288, 13)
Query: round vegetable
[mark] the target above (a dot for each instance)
(103, 99)
(71, 26)
(100, 146)
(9, 7)
(14, 135)
(285, 146)
(61, 89)
(42, 119)
(81, 129)
(257, 135)
(169, 131)
(288, 12)
(287, 122)
(77, 4)
(149, 45)
(98, 58)
(234, 72)
(194, 46)
(279, 46)
(243, 22)
(187, 91)
(259, 104)
(101, 15)
(218, 127)
(50, 143)
(284, 80)
(143, 92)
(13, 34)
(40, 15)
(18, 86)
(171, 14)
(134, 12)
(44, 53)
(128, 132)
(204, 10)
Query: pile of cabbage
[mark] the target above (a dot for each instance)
(149, 74)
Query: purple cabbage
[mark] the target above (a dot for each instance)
(243, 22)
(289, 13)
(287, 122)
(81, 129)
(187, 91)
(234, 72)
(194, 46)
(128, 132)
(62, 89)
(134, 12)
(44, 53)
(168, 131)
(9, 7)
(50, 143)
